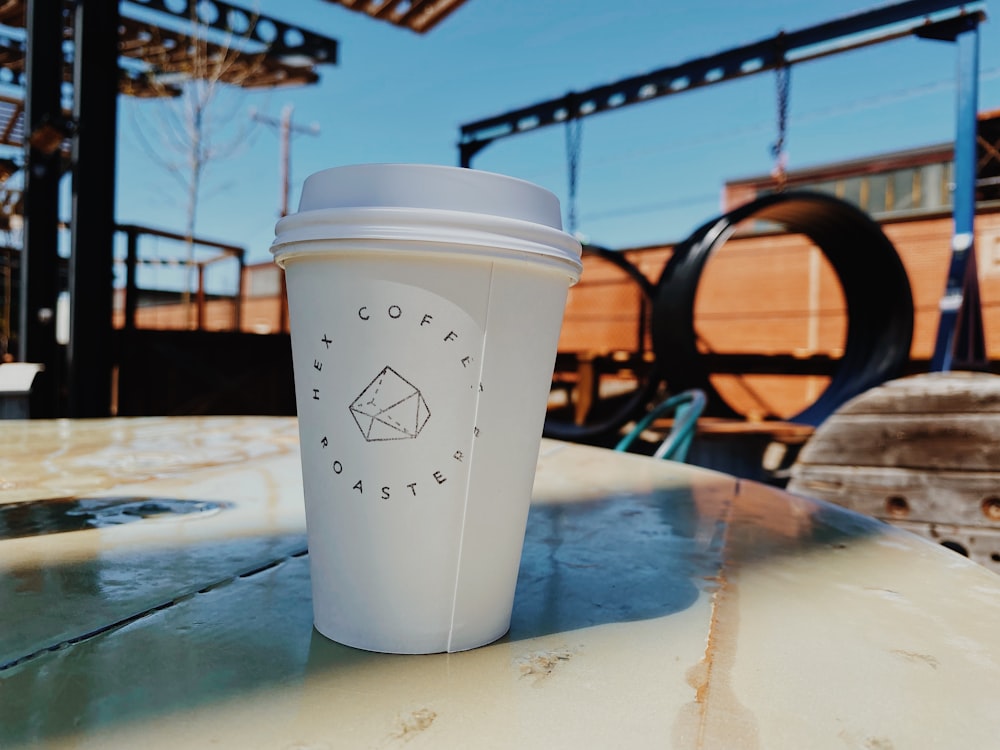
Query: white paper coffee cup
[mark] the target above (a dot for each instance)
(425, 306)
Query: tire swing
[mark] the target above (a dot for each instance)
(874, 282)
(610, 411)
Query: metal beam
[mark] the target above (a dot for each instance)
(95, 107)
(852, 32)
(155, 36)
(40, 258)
(961, 314)
(277, 37)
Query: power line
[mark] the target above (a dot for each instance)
(686, 202)
(285, 128)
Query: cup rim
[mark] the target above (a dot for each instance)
(336, 230)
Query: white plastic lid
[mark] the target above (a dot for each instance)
(426, 203)
(430, 186)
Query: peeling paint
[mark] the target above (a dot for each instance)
(414, 723)
(541, 664)
(917, 658)
(878, 743)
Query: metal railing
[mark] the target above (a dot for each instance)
(186, 307)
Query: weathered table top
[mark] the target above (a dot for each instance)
(154, 593)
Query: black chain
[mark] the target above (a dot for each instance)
(574, 140)
(782, 79)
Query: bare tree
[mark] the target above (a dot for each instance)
(195, 122)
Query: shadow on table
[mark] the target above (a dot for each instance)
(624, 558)
(608, 560)
(640, 556)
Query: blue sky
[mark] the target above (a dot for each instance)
(648, 173)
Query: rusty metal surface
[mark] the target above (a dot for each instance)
(658, 605)
(417, 15)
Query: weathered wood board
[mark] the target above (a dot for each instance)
(922, 452)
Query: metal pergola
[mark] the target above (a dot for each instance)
(66, 62)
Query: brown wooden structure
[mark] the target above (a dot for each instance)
(770, 315)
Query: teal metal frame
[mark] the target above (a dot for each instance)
(686, 406)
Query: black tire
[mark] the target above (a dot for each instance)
(874, 281)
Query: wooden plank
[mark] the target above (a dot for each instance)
(966, 441)
(980, 544)
(920, 452)
(931, 393)
(958, 497)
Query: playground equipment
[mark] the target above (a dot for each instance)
(872, 277)
(870, 356)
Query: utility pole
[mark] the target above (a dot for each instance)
(285, 128)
